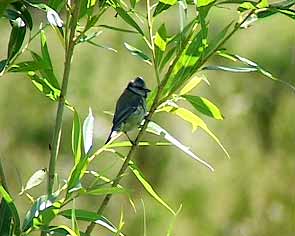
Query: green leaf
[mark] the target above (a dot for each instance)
(90, 217)
(76, 137)
(74, 220)
(16, 39)
(36, 179)
(204, 106)
(41, 213)
(24, 66)
(118, 29)
(12, 209)
(195, 121)
(44, 86)
(102, 46)
(251, 67)
(6, 225)
(142, 143)
(201, 3)
(3, 64)
(136, 52)
(46, 70)
(62, 230)
(168, 55)
(148, 187)
(128, 19)
(160, 43)
(230, 68)
(44, 50)
(191, 84)
(263, 4)
(88, 129)
(103, 191)
(163, 5)
(186, 65)
(173, 221)
(158, 130)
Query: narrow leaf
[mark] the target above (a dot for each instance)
(201, 3)
(128, 19)
(24, 66)
(160, 43)
(76, 137)
(136, 52)
(148, 187)
(195, 121)
(204, 106)
(90, 217)
(230, 68)
(103, 191)
(158, 130)
(16, 39)
(88, 128)
(191, 84)
(163, 5)
(12, 208)
(118, 29)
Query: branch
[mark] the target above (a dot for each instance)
(61, 103)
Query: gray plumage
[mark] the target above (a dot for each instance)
(130, 107)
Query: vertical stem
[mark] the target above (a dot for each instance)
(150, 29)
(61, 103)
(2, 177)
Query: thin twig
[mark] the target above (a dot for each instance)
(2, 177)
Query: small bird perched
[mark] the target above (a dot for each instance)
(130, 108)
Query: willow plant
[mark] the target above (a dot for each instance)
(178, 60)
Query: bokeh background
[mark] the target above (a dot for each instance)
(253, 193)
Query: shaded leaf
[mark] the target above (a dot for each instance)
(3, 64)
(88, 129)
(102, 46)
(148, 187)
(61, 230)
(142, 143)
(16, 39)
(230, 68)
(117, 29)
(6, 223)
(195, 121)
(76, 137)
(24, 66)
(128, 19)
(158, 130)
(12, 209)
(204, 106)
(136, 52)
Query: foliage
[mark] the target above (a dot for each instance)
(178, 60)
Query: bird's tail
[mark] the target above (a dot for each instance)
(111, 135)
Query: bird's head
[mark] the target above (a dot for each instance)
(138, 86)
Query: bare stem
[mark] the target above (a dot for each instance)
(61, 103)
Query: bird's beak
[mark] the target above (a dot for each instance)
(147, 90)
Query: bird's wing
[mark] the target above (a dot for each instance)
(122, 116)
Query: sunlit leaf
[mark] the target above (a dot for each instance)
(44, 86)
(128, 19)
(195, 121)
(103, 191)
(201, 3)
(148, 187)
(263, 4)
(163, 5)
(160, 43)
(90, 217)
(12, 208)
(138, 53)
(76, 137)
(3, 64)
(173, 221)
(88, 129)
(69, 231)
(204, 106)
(102, 46)
(231, 68)
(36, 179)
(158, 130)
(191, 84)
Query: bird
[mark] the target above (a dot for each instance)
(130, 108)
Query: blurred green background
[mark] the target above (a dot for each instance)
(253, 193)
